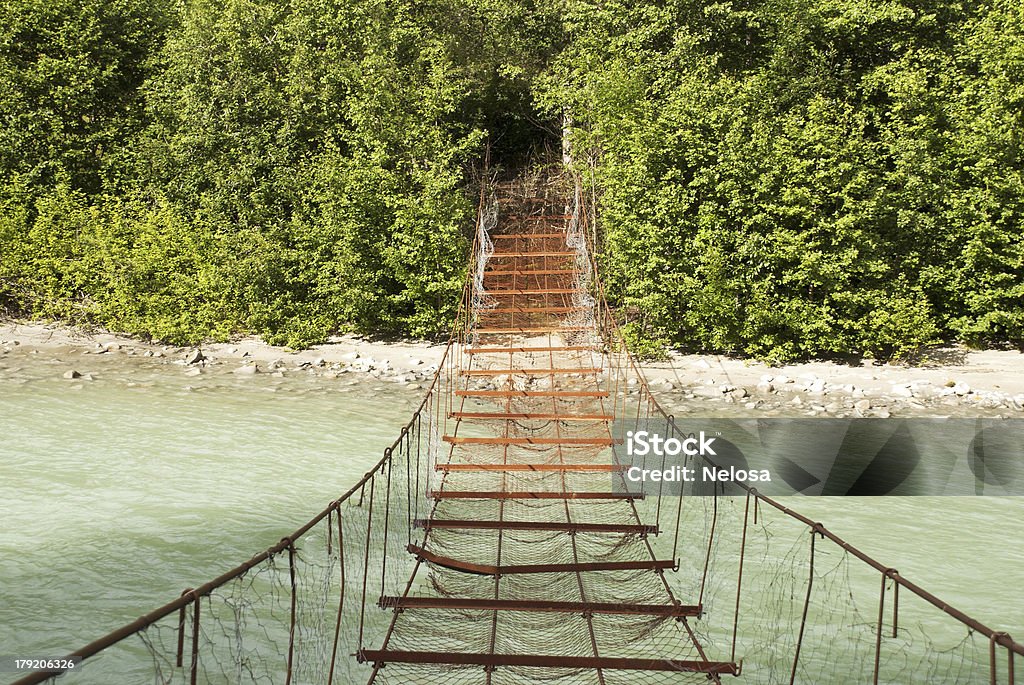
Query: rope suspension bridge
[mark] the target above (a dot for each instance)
(497, 541)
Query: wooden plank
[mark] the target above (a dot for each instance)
(530, 272)
(455, 439)
(381, 657)
(518, 236)
(510, 569)
(531, 310)
(502, 494)
(536, 217)
(527, 416)
(529, 372)
(515, 331)
(509, 350)
(531, 393)
(459, 603)
(529, 255)
(597, 468)
(554, 526)
(528, 291)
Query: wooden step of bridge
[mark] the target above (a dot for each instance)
(531, 272)
(524, 569)
(552, 526)
(528, 330)
(527, 416)
(533, 494)
(533, 310)
(530, 371)
(540, 468)
(531, 255)
(532, 393)
(530, 350)
(529, 291)
(489, 660)
(527, 236)
(536, 217)
(527, 440)
(466, 604)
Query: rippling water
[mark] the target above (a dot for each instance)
(120, 492)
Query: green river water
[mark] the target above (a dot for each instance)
(118, 493)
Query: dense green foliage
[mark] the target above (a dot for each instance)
(781, 179)
(286, 168)
(806, 177)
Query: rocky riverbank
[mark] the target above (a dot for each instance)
(958, 382)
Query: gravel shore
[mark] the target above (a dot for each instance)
(959, 382)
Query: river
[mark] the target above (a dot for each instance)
(121, 491)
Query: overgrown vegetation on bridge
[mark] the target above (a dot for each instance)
(804, 177)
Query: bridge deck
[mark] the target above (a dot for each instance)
(529, 490)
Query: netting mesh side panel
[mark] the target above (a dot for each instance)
(840, 638)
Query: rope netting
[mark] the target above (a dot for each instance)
(497, 540)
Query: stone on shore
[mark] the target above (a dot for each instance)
(72, 374)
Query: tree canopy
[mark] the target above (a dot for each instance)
(783, 178)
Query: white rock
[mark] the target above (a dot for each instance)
(902, 390)
(706, 392)
(72, 374)
(962, 389)
(193, 372)
(247, 370)
(816, 387)
(862, 405)
(194, 357)
(765, 387)
(412, 386)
